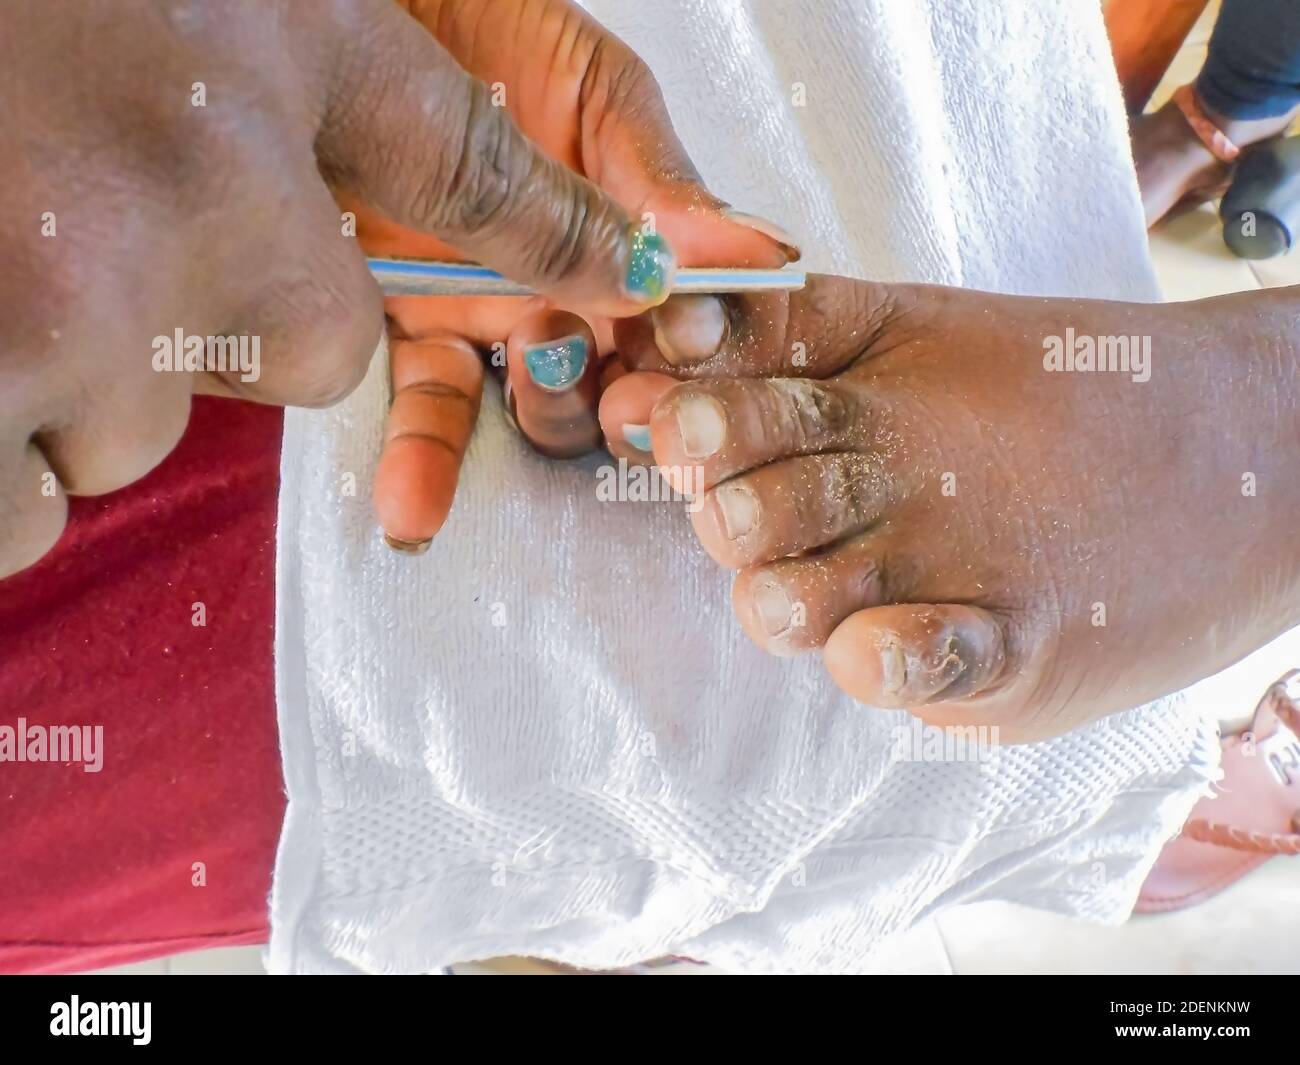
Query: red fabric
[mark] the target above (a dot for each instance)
(96, 869)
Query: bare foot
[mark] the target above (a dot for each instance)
(1174, 165)
(970, 532)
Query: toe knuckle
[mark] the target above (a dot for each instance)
(812, 414)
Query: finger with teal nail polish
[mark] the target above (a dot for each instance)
(651, 266)
(557, 365)
(552, 368)
(625, 408)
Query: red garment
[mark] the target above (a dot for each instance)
(98, 869)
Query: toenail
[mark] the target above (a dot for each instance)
(893, 668)
(774, 608)
(702, 426)
(739, 508)
(689, 329)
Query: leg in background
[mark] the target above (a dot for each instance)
(1249, 90)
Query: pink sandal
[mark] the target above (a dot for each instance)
(1254, 815)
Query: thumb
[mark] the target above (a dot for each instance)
(408, 132)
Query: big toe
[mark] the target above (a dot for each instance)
(911, 656)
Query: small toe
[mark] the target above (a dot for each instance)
(784, 508)
(794, 604)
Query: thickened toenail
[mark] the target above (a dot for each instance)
(893, 668)
(739, 507)
(773, 607)
(702, 426)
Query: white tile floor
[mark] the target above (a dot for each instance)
(1253, 927)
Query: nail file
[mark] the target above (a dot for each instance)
(425, 277)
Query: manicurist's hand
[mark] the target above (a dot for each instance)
(168, 171)
(942, 491)
(589, 103)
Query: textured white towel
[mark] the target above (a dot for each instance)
(548, 736)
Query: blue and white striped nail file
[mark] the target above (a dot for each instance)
(423, 277)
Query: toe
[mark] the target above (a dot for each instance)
(689, 330)
(725, 427)
(911, 656)
(794, 604)
(787, 507)
(685, 335)
(814, 332)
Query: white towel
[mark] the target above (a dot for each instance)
(548, 736)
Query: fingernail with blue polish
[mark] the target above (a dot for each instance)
(637, 435)
(650, 268)
(556, 365)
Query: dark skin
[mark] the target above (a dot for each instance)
(970, 606)
(132, 212)
(587, 100)
(949, 515)
(1174, 167)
